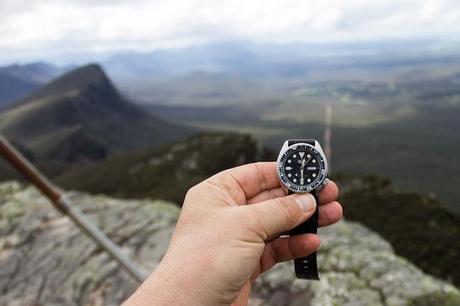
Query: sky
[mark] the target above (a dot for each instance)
(59, 29)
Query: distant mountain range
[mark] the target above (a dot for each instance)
(12, 88)
(233, 71)
(249, 59)
(16, 81)
(80, 116)
(228, 68)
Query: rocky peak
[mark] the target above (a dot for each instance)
(79, 79)
(45, 260)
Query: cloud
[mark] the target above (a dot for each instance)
(37, 28)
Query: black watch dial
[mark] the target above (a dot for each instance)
(302, 168)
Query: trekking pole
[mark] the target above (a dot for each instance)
(61, 203)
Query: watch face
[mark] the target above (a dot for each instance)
(302, 168)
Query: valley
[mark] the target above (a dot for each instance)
(405, 131)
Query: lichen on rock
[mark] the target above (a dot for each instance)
(45, 260)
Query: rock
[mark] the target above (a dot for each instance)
(45, 260)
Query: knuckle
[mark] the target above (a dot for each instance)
(191, 192)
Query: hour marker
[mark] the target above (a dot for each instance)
(308, 155)
(301, 154)
(314, 175)
(289, 161)
(289, 175)
(308, 180)
(294, 180)
(288, 168)
(314, 161)
(294, 156)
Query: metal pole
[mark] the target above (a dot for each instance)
(61, 203)
(328, 134)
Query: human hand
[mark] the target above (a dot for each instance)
(228, 234)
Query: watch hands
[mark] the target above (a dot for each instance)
(303, 163)
(301, 171)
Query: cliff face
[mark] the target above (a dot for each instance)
(45, 260)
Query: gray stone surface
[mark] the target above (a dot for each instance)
(44, 260)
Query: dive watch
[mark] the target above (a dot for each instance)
(302, 167)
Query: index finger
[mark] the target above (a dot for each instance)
(246, 181)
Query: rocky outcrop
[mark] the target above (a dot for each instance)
(45, 260)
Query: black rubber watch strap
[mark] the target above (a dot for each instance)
(306, 267)
(294, 141)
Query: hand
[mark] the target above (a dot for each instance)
(228, 233)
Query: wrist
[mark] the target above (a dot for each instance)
(165, 286)
(157, 289)
(170, 284)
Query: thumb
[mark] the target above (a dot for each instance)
(279, 215)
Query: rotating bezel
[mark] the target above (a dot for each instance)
(316, 183)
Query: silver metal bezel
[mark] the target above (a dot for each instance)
(296, 188)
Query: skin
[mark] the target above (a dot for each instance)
(228, 233)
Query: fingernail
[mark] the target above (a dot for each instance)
(306, 202)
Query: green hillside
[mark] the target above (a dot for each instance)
(168, 172)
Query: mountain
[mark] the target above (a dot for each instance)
(47, 261)
(38, 72)
(80, 116)
(250, 59)
(167, 172)
(13, 88)
(17, 81)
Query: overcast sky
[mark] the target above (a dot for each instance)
(40, 29)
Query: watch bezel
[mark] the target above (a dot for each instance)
(316, 184)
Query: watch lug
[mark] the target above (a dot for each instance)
(283, 149)
(285, 145)
(318, 147)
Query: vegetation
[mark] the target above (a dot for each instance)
(166, 173)
(440, 298)
(407, 131)
(419, 228)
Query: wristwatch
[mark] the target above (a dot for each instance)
(302, 167)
